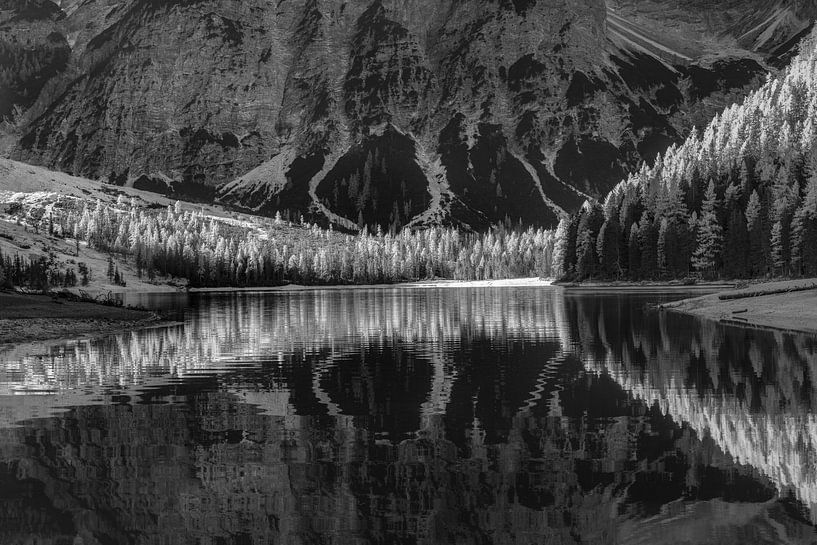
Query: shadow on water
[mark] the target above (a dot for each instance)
(412, 416)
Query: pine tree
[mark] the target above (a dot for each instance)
(736, 247)
(710, 234)
(586, 258)
(571, 247)
(586, 241)
(634, 254)
(757, 244)
(560, 250)
(664, 248)
(648, 248)
(777, 246)
(678, 243)
(804, 233)
(85, 273)
(608, 248)
(786, 199)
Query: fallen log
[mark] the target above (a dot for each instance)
(761, 293)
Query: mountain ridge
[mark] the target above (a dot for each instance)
(383, 113)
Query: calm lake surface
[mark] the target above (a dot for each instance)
(391, 416)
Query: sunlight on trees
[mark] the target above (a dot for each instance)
(737, 200)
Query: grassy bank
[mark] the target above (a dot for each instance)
(25, 318)
(789, 305)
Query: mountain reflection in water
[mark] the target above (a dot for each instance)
(412, 416)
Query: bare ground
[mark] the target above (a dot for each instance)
(25, 318)
(795, 311)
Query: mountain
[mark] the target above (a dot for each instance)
(31, 52)
(736, 200)
(389, 112)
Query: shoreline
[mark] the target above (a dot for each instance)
(26, 318)
(571, 287)
(753, 306)
(646, 285)
(508, 283)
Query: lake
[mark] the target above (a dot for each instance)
(400, 415)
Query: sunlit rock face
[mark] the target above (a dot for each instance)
(391, 112)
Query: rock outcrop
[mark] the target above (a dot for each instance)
(392, 112)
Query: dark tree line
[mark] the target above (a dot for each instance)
(38, 273)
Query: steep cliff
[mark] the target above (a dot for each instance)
(395, 112)
(32, 52)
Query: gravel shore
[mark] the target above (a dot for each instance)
(25, 318)
(794, 310)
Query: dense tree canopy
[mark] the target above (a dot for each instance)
(212, 251)
(738, 200)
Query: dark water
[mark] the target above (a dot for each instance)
(470, 416)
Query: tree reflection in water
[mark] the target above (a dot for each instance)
(412, 416)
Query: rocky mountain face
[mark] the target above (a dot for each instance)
(31, 52)
(392, 112)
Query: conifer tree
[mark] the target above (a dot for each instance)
(648, 247)
(560, 250)
(804, 233)
(754, 223)
(710, 234)
(736, 247)
(634, 254)
(608, 248)
(571, 247)
(662, 249)
(586, 255)
(587, 239)
(776, 245)
(679, 243)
